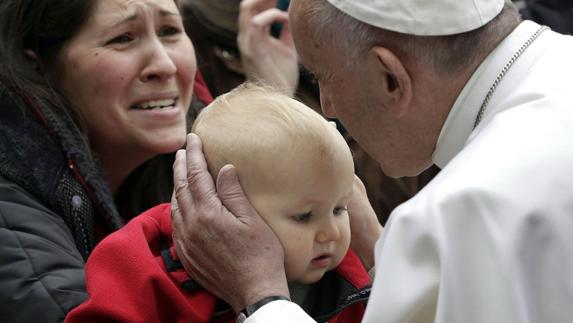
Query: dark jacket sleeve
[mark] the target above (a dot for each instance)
(41, 271)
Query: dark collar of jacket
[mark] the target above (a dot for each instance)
(44, 153)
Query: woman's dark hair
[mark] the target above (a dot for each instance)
(32, 34)
(44, 27)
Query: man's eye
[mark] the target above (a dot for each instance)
(121, 39)
(169, 31)
(339, 210)
(302, 217)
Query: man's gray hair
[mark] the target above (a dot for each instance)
(445, 54)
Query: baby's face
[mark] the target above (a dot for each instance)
(305, 205)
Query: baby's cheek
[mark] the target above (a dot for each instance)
(293, 268)
(345, 237)
(342, 247)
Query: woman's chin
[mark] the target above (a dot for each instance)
(170, 147)
(168, 143)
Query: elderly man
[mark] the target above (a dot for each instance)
(463, 84)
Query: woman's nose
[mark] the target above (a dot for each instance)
(159, 65)
(328, 231)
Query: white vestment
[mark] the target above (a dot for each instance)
(490, 239)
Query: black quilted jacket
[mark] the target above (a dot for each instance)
(51, 193)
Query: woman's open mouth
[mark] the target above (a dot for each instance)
(155, 104)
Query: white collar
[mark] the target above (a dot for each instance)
(460, 121)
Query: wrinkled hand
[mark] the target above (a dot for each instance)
(264, 57)
(220, 239)
(365, 228)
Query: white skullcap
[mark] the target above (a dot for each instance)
(422, 17)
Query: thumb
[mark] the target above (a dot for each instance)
(231, 193)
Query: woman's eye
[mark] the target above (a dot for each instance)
(121, 39)
(302, 217)
(169, 31)
(339, 210)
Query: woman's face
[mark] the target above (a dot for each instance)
(129, 71)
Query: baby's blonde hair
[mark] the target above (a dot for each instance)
(260, 130)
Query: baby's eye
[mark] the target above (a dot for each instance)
(169, 31)
(302, 217)
(121, 39)
(339, 210)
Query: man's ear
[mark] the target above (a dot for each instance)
(396, 84)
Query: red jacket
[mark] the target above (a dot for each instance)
(133, 275)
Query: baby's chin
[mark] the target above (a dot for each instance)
(306, 280)
(314, 276)
(309, 278)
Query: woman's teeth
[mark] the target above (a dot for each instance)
(159, 104)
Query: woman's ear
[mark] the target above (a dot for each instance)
(395, 82)
(32, 57)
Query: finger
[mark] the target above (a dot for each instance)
(249, 8)
(189, 265)
(261, 23)
(232, 195)
(286, 36)
(257, 5)
(199, 180)
(181, 196)
(174, 205)
(195, 272)
(358, 182)
(180, 169)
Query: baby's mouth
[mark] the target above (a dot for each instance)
(321, 257)
(322, 260)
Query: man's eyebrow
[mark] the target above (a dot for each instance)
(165, 13)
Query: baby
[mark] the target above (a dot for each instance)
(294, 167)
